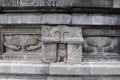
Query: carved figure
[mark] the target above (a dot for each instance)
(62, 53)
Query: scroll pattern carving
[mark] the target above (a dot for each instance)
(100, 45)
(61, 34)
(22, 43)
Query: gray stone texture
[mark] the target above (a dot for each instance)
(56, 19)
(59, 39)
(59, 3)
(62, 34)
(85, 69)
(24, 68)
(74, 54)
(66, 19)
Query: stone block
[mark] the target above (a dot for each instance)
(116, 3)
(117, 22)
(20, 18)
(56, 19)
(64, 3)
(22, 68)
(93, 3)
(49, 52)
(74, 54)
(101, 32)
(97, 19)
(105, 69)
(64, 78)
(83, 19)
(69, 69)
(109, 19)
(62, 34)
(22, 77)
(31, 3)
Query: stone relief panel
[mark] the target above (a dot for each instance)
(68, 41)
(101, 46)
(16, 43)
(62, 34)
(21, 46)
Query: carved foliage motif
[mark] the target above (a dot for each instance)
(100, 45)
(61, 34)
(22, 43)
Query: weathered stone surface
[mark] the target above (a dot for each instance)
(109, 20)
(83, 78)
(64, 78)
(59, 39)
(20, 18)
(116, 3)
(59, 3)
(22, 68)
(67, 69)
(56, 19)
(62, 34)
(22, 77)
(117, 22)
(93, 3)
(30, 3)
(74, 54)
(49, 53)
(85, 69)
(81, 19)
(105, 69)
(97, 19)
(101, 32)
(66, 19)
(101, 78)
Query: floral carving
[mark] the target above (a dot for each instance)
(99, 45)
(24, 43)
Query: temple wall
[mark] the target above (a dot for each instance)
(59, 40)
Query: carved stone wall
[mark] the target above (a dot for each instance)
(59, 39)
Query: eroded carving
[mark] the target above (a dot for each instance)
(28, 2)
(62, 53)
(52, 2)
(22, 43)
(100, 45)
(62, 34)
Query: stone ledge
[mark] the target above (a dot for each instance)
(24, 68)
(60, 69)
(84, 69)
(53, 19)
